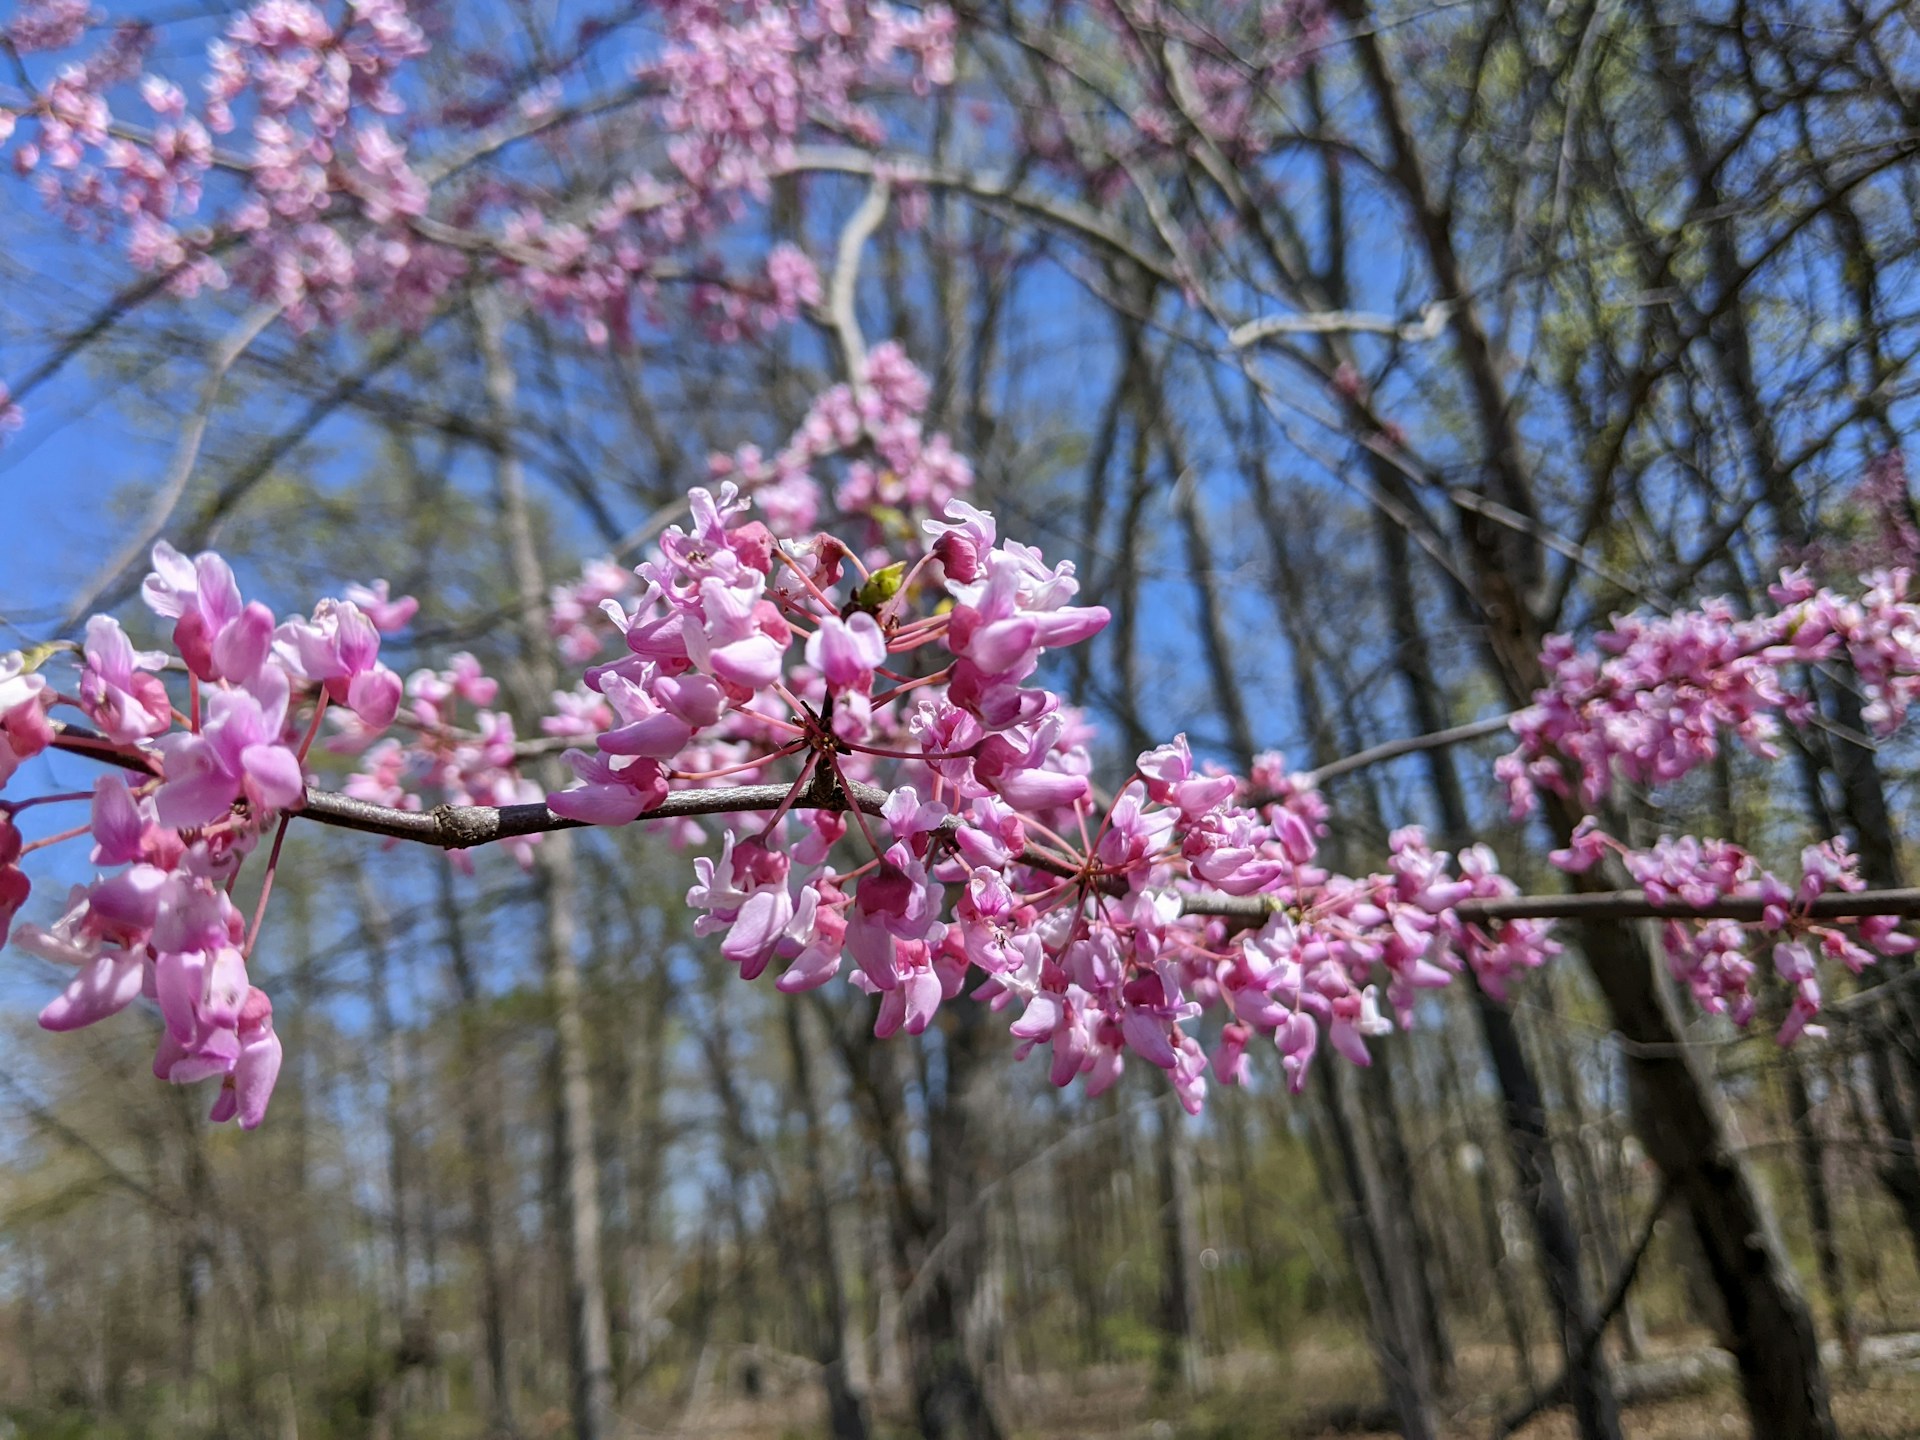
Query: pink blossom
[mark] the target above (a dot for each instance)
(846, 652)
(219, 635)
(238, 752)
(24, 728)
(388, 614)
(119, 688)
(339, 648)
(14, 887)
(612, 793)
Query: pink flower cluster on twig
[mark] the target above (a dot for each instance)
(1712, 957)
(751, 656)
(212, 773)
(1648, 703)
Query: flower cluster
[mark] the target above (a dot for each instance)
(207, 783)
(882, 417)
(473, 760)
(314, 96)
(323, 211)
(1649, 701)
(984, 848)
(738, 86)
(932, 819)
(1710, 957)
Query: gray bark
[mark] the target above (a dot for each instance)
(590, 1349)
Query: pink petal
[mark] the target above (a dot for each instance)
(105, 987)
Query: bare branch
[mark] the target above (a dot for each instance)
(186, 455)
(1430, 326)
(460, 827)
(1394, 749)
(841, 300)
(1606, 905)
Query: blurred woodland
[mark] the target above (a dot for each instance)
(1492, 318)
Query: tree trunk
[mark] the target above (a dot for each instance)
(1393, 1324)
(483, 1159)
(934, 1229)
(1589, 1385)
(1680, 1118)
(846, 1405)
(1181, 1361)
(1810, 1156)
(590, 1355)
(1411, 1238)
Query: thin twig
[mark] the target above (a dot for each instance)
(1556, 1393)
(1394, 749)
(186, 456)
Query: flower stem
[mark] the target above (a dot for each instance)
(313, 726)
(266, 887)
(42, 843)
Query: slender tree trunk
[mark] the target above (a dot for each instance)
(1493, 1232)
(1232, 1109)
(483, 1159)
(1410, 1239)
(391, 1376)
(934, 1227)
(1398, 1341)
(1810, 1156)
(590, 1352)
(846, 1405)
(1182, 1361)
(380, 958)
(1589, 1385)
(1399, 1353)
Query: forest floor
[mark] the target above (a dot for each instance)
(1687, 1393)
(1328, 1393)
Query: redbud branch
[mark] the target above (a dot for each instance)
(14, 807)
(1612, 905)
(461, 827)
(1394, 749)
(43, 843)
(80, 741)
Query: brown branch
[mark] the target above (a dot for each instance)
(1394, 749)
(458, 827)
(461, 827)
(1607, 905)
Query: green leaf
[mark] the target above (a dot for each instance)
(34, 656)
(881, 587)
